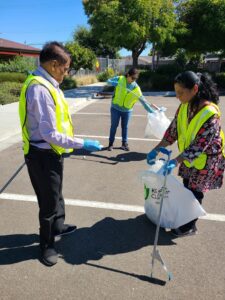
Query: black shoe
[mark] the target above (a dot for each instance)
(67, 229)
(110, 148)
(178, 233)
(49, 256)
(125, 147)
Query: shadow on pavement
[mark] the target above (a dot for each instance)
(15, 248)
(141, 277)
(107, 237)
(113, 160)
(110, 237)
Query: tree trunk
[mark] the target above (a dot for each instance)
(220, 63)
(135, 58)
(136, 52)
(153, 57)
(157, 60)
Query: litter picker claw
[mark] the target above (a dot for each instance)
(155, 253)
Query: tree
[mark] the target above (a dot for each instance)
(205, 27)
(87, 39)
(199, 29)
(124, 24)
(163, 22)
(81, 57)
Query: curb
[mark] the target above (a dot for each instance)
(160, 93)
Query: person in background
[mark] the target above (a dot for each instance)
(127, 93)
(47, 134)
(197, 130)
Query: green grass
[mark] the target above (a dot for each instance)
(12, 76)
(9, 92)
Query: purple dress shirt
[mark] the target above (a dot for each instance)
(41, 119)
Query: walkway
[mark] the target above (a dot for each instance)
(10, 132)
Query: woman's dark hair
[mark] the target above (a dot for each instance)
(206, 87)
(54, 51)
(133, 72)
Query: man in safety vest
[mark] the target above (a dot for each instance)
(47, 134)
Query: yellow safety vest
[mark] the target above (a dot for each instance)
(187, 132)
(63, 118)
(124, 98)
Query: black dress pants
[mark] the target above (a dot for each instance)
(45, 169)
(199, 196)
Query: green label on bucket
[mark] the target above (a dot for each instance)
(146, 192)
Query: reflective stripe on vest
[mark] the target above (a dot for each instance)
(124, 98)
(187, 132)
(63, 118)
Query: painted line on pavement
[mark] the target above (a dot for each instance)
(97, 204)
(117, 138)
(106, 114)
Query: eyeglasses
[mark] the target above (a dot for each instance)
(63, 67)
(67, 70)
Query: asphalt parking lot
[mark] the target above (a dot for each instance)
(109, 255)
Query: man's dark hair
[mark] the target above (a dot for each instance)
(54, 51)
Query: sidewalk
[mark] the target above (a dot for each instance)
(10, 132)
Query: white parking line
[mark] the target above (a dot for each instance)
(103, 205)
(107, 114)
(118, 138)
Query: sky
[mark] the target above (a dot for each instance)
(39, 21)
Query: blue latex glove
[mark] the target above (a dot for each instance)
(151, 157)
(113, 81)
(170, 166)
(92, 145)
(164, 151)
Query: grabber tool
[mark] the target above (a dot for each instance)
(155, 253)
(12, 177)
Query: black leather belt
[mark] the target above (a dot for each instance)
(34, 148)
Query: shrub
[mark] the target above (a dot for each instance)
(104, 76)
(9, 92)
(159, 80)
(162, 82)
(145, 80)
(68, 83)
(170, 69)
(220, 80)
(19, 64)
(12, 77)
(222, 68)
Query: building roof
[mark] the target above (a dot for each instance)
(14, 48)
(142, 60)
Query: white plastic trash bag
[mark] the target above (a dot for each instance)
(179, 204)
(157, 124)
